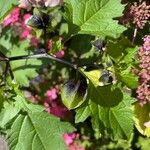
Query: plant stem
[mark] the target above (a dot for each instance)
(44, 55)
(134, 35)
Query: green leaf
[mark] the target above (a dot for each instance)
(7, 114)
(117, 49)
(117, 120)
(143, 143)
(93, 76)
(82, 114)
(95, 17)
(73, 94)
(35, 129)
(100, 94)
(38, 131)
(5, 7)
(126, 77)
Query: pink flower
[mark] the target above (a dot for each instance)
(146, 44)
(26, 31)
(74, 147)
(12, 18)
(51, 94)
(60, 54)
(58, 110)
(143, 90)
(69, 138)
(34, 41)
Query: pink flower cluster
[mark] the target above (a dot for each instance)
(12, 18)
(52, 104)
(143, 91)
(70, 141)
(18, 23)
(28, 4)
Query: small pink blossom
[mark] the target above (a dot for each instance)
(146, 44)
(12, 18)
(69, 138)
(60, 54)
(26, 31)
(58, 110)
(51, 94)
(34, 41)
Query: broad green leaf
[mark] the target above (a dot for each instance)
(6, 7)
(126, 77)
(35, 129)
(38, 131)
(93, 76)
(94, 17)
(117, 120)
(82, 113)
(141, 116)
(7, 114)
(117, 49)
(73, 94)
(21, 103)
(107, 96)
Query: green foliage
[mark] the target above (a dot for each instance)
(143, 143)
(94, 17)
(32, 128)
(5, 8)
(117, 120)
(99, 97)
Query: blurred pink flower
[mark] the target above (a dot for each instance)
(69, 138)
(58, 110)
(60, 54)
(146, 44)
(74, 147)
(51, 94)
(34, 41)
(12, 18)
(26, 31)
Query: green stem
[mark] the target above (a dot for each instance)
(45, 55)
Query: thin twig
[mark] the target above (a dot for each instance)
(45, 55)
(134, 35)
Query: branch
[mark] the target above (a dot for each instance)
(45, 55)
